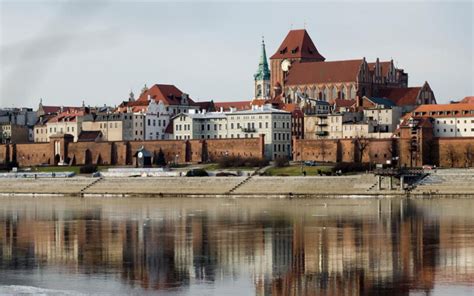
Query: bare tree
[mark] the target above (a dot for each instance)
(451, 155)
(469, 155)
(361, 144)
(323, 148)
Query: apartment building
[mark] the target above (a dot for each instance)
(69, 122)
(449, 120)
(113, 126)
(273, 123)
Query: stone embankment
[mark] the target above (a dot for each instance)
(446, 182)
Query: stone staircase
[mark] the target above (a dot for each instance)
(240, 184)
(97, 180)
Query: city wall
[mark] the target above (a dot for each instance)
(123, 153)
(344, 150)
(442, 152)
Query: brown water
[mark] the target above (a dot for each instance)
(57, 246)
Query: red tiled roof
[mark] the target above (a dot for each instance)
(239, 105)
(401, 96)
(67, 116)
(168, 94)
(344, 103)
(450, 110)
(323, 72)
(468, 100)
(297, 44)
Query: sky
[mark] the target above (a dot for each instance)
(66, 52)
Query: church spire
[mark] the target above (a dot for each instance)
(262, 77)
(263, 72)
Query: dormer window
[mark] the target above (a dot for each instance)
(283, 50)
(310, 51)
(294, 50)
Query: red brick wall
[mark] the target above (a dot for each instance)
(121, 154)
(100, 152)
(194, 150)
(376, 151)
(3, 154)
(454, 152)
(170, 148)
(317, 150)
(379, 151)
(34, 154)
(250, 147)
(347, 150)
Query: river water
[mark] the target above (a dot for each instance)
(73, 246)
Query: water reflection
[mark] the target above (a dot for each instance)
(241, 247)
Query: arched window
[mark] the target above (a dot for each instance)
(334, 92)
(344, 93)
(325, 94)
(352, 92)
(258, 92)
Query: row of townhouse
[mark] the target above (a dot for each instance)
(376, 118)
(274, 124)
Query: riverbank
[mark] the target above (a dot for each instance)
(448, 183)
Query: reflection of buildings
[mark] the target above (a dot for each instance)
(384, 246)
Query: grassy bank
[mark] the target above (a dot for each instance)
(60, 169)
(215, 167)
(295, 170)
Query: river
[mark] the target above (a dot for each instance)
(124, 246)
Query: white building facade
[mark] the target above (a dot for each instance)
(274, 124)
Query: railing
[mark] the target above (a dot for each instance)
(249, 130)
(322, 133)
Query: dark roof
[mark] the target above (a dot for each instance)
(323, 72)
(207, 105)
(89, 136)
(382, 101)
(297, 44)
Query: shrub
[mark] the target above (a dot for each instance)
(237, 161)
(281, 161)
(88, 169)
(347, 167)
(160, 158)
(197, 173)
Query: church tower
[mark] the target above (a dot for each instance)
(262, 77)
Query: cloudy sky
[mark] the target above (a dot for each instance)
(69, 51)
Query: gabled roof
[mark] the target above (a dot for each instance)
(401, 96)
(297, 44)
(384, 65)
(67, 116)
(323, 72)
(167, 93)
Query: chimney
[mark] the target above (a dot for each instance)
(222, 109)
